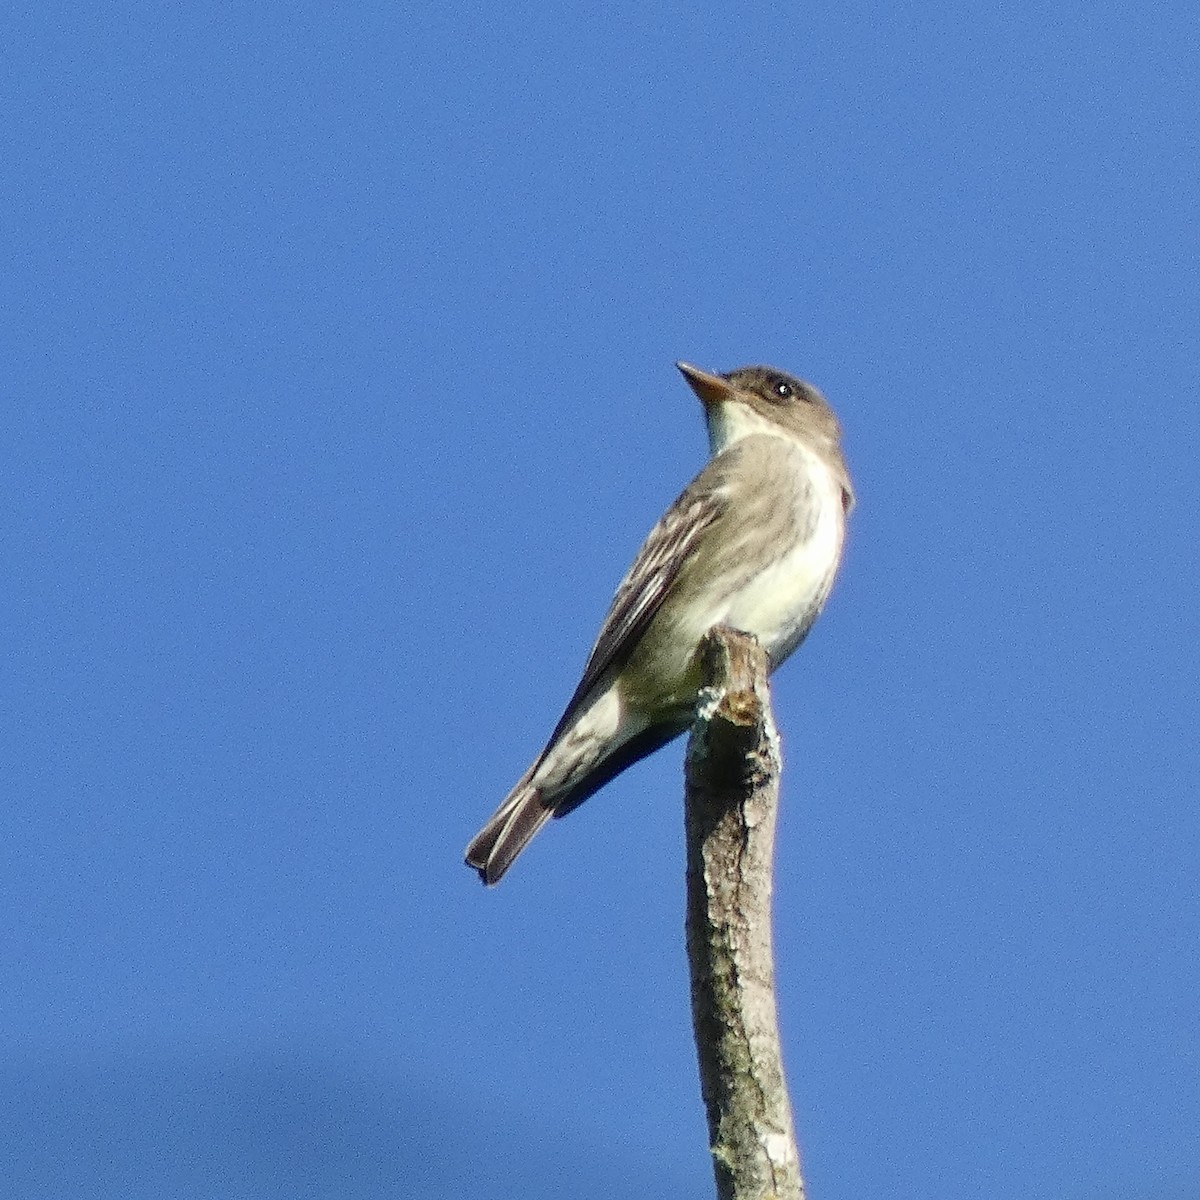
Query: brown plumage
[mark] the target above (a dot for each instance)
(753, 541)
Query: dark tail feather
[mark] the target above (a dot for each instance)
(495, 847)
(526, 810)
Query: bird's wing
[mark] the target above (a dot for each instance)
(649, 581)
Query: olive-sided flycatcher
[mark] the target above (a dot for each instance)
(753, 543)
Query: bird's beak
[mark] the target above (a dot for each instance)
(711, 389)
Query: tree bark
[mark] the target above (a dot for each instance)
(732, 777)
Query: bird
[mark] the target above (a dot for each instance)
(752, 543)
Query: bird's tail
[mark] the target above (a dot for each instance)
(528, 807)
(509, 830)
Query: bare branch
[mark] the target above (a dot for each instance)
(732, 795)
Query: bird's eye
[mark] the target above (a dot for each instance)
(783, 391)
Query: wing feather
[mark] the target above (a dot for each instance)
(647, 585)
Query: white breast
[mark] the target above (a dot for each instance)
(780, 604)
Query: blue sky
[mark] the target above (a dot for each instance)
(338, 351)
